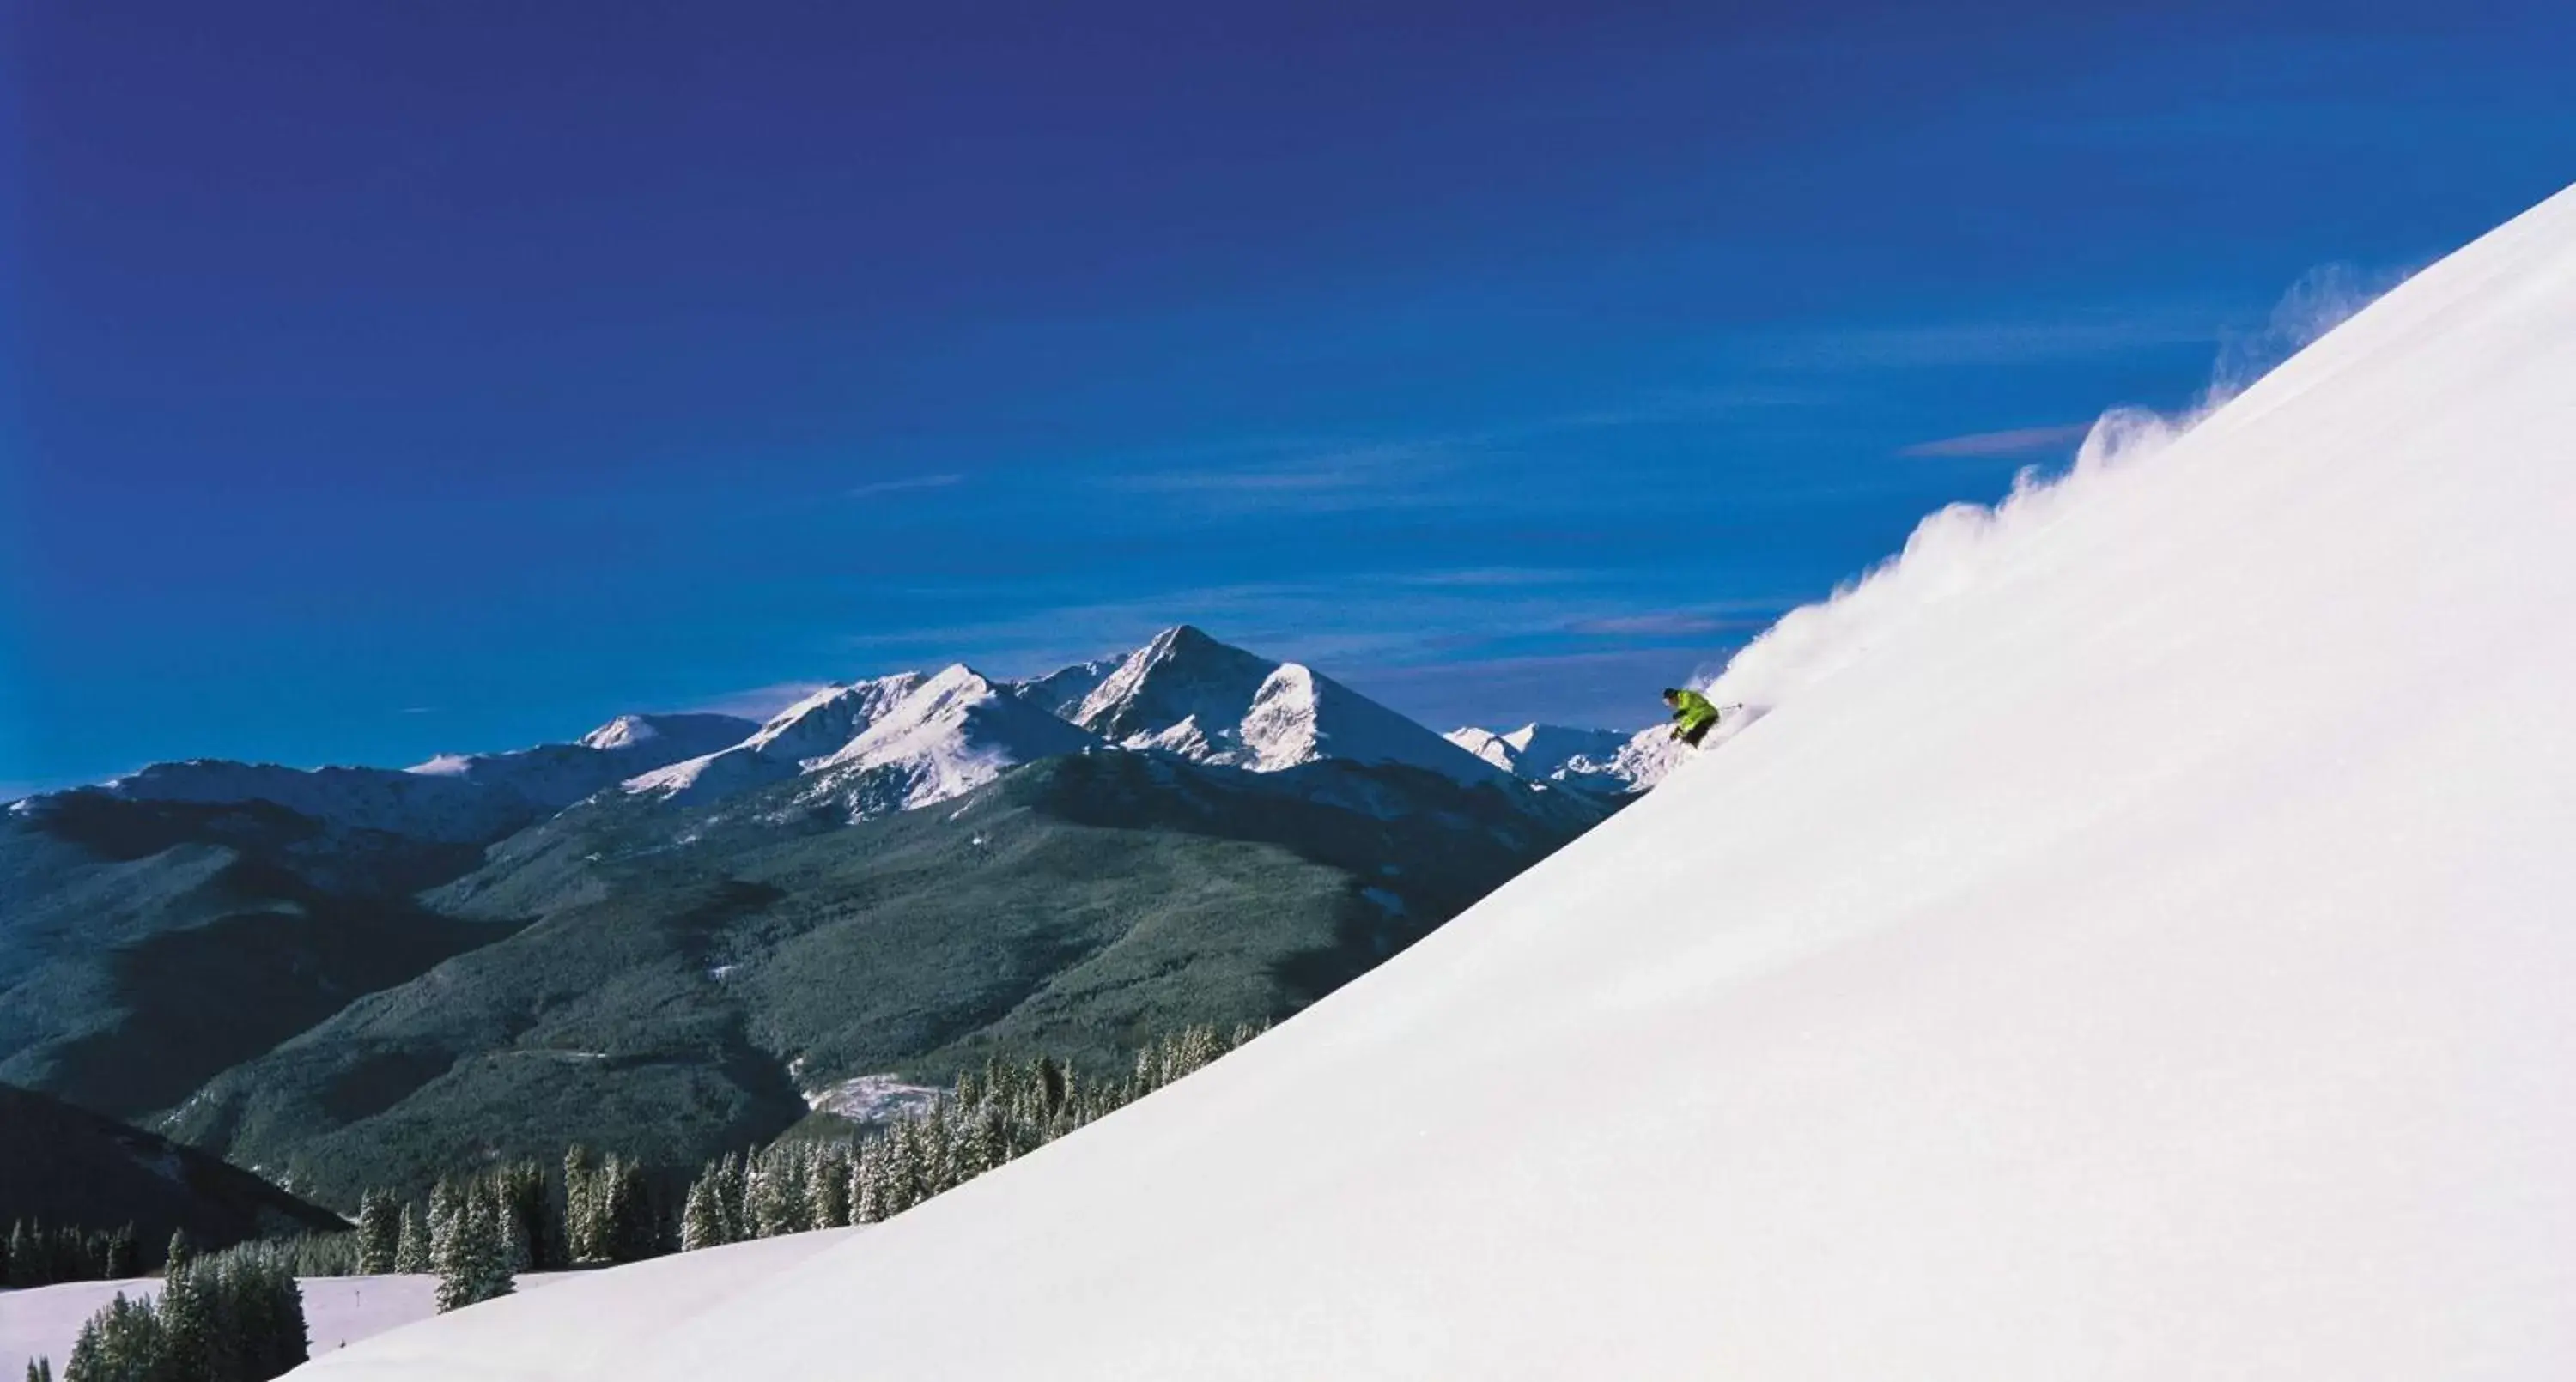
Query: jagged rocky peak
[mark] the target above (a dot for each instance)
(1181, 675)
(1185, 693)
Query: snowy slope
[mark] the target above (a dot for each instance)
(555, 776)
(813, 729)
(952, 734)
(1187, 694)
(2186, 999)
(338, 1311)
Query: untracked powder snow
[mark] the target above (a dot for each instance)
(2139, 947)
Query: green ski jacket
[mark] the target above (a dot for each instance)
(1691, 710)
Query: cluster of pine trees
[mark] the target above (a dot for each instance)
(34, 1255)
(478, 1233)
(234, 1316)
(985, 1121)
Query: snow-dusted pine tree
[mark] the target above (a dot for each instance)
(411, 1251)
(827, 1187)
(379, 1232)
(702, 1222)
(473, 1256)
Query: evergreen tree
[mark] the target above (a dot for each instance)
(702, 1214)
(181, 1251)
(827, 1187)
(768, 1196)
(583, 1235)
(380, 1226)
(733, 1194)
(630, 1231)
(509, 1226)
(411, 1254)
(124, 1255)
(22, 1256)
(189, 1323)
(527, 1202)
(447, 1204)
(472, 1259)
(89, 1354)
(122, 1343)
(867, 1183)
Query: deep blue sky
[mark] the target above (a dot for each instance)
(390, 379)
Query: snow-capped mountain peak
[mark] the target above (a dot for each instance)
(1188, 694)
(954, 732)
(1180, 675)
(554, 776)
(625, 731)
(804, 733)
(1599, 760)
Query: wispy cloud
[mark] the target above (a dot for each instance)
(1502, 466)
(2003, 341)
(2017, 441)
(906, 484)
(761, 702)
(1370, 475)
(1676, 624)
(1487, 578)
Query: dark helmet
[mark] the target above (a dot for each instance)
(1672, 693)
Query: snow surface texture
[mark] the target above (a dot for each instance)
(1187, 694)
(338, 1311)
(2138, 950)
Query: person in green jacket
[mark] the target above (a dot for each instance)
(1693, 716)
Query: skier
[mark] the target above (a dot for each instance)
(1693, 716)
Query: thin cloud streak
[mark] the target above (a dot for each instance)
(2018, 441)
(1672, 625)
(909, 484)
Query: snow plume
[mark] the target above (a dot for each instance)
(2323, 299)
(1955, 548)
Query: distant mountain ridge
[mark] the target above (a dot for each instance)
(1594, 760)
(1183, 693)
(663, 938)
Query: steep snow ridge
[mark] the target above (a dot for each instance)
(2147, 960)
(557, 775)
(794, 739)
(1188, 694)
(954, 733)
